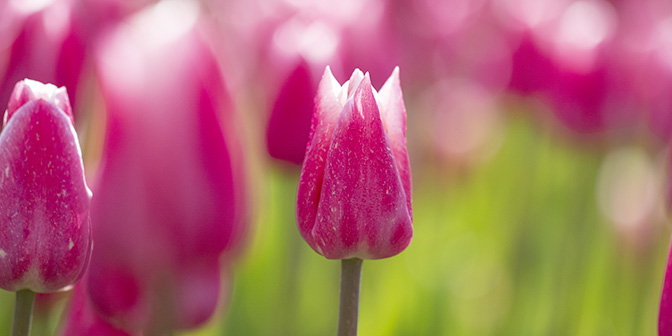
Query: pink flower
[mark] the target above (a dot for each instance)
(354, 194)
(580, 73)
(166, 208)
(45, 230)
(81, 319)
(289, 123)
(41, 43)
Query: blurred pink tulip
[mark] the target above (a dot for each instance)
(456, 40)
(42, 45)
(289, 123)
(167, 207)
(298, 42)
(354, 194)
(45, 236)
(82, 319)
(567, 55)
(647, 27)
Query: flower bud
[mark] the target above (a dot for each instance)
(354, 194)
(80, 318)
(39, 40)
(289, 123)
(166, 204)
(45, 230)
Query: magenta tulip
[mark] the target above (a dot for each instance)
(289, 123)
(354, 194)
(45, 231)
(166, 200)
(582, 77)
(83, 320)
(40, 42)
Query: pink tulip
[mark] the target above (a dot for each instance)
(82, 319)
(289, 123)
(568, 55)
(354, 194)
(647, 27)
(45, 236)
(301, 41)
(42, 45)
(166, 209)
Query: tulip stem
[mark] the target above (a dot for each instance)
(23, 312)
(351, 270)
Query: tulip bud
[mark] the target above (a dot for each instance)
(45, 231)
(166, 204)
(80, 318)
(354, 193)
(289, 123)
(40, 41)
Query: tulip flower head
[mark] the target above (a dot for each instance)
(289, 123)
(354, 194)
(165, 210)
(45, 231)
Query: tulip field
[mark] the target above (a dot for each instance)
(371, 167)
(516, 246)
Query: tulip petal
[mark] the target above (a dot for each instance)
(393, 113)
(197, 292)
(289, 124)
(327, 110)
(351, 85)
(82, 319)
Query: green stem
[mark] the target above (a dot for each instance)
(351, 270)
(23, 312)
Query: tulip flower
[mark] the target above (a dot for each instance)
(82, 319)
(582, 76)
(45, 233)
(289, 123)
(40, 42)
(354, 194)
(166, 205)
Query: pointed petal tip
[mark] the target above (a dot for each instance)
(328, 83)
(356, 76)
(366, 81)
(364, 96)
(394, 78)
(328, 74)
(395, 73)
